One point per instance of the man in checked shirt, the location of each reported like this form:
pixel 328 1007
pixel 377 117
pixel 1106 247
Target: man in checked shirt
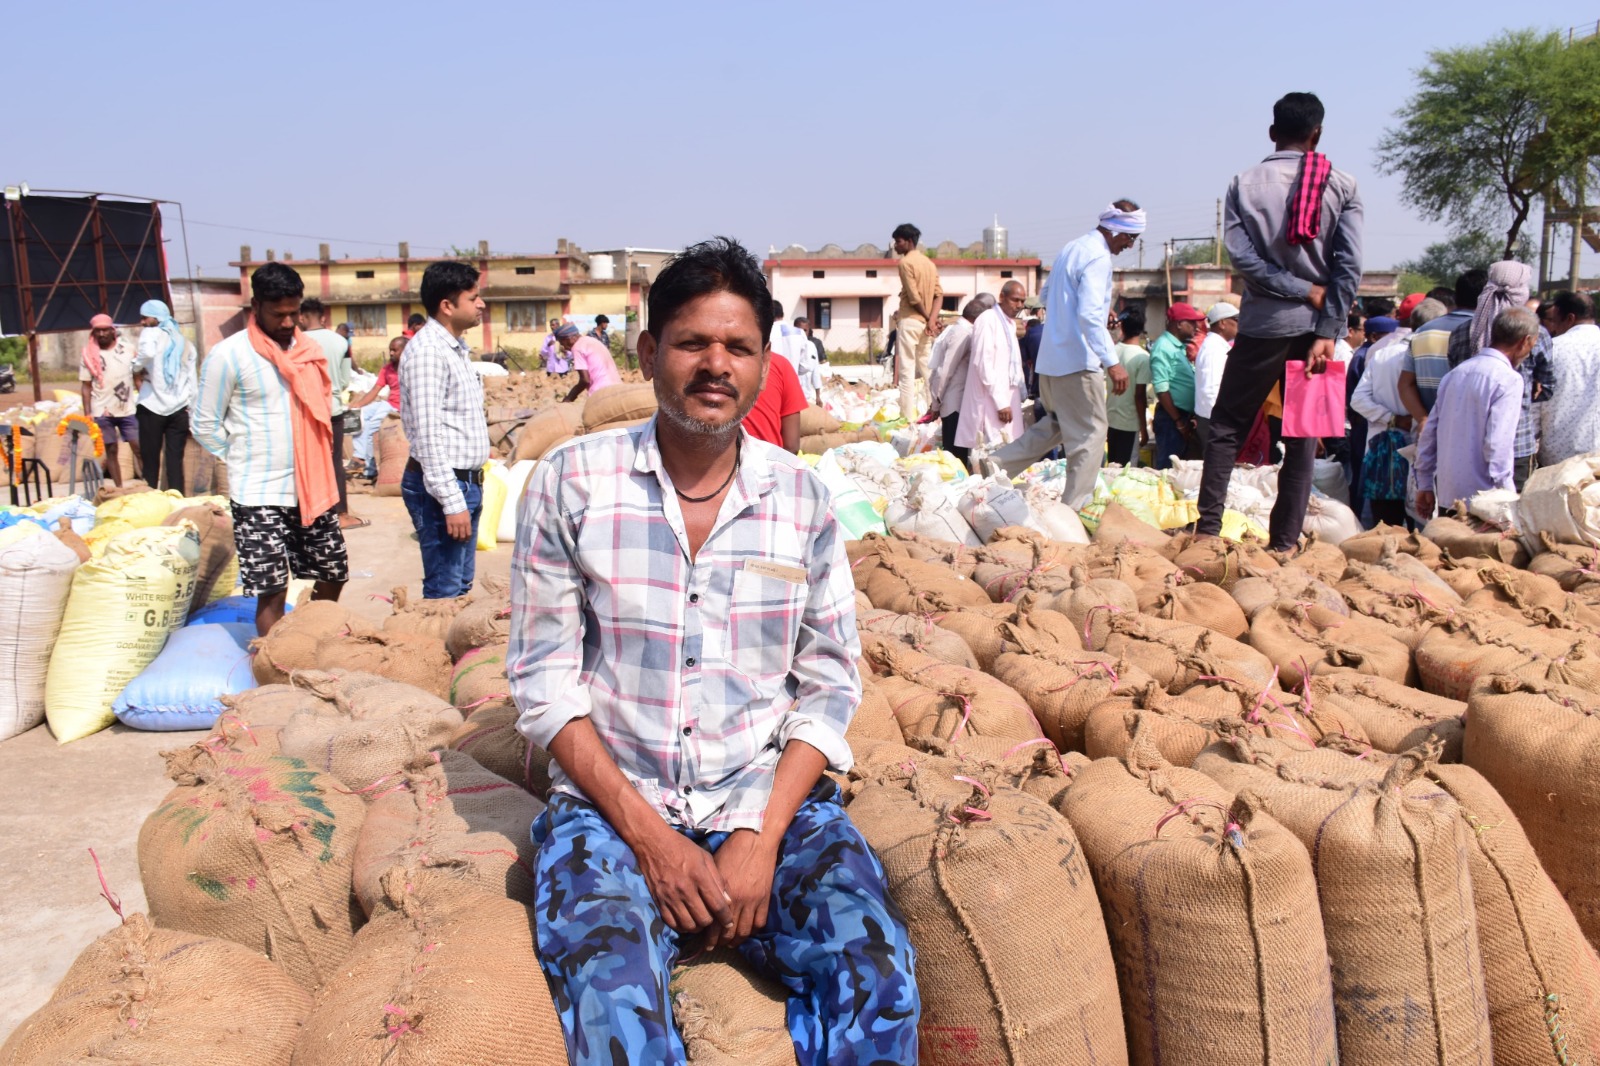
pixel 441 410
pixel 684 645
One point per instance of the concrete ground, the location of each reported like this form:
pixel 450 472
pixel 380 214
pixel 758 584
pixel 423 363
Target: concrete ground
pixel 56 802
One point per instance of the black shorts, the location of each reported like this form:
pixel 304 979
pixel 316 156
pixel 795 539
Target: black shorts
pixel 272 544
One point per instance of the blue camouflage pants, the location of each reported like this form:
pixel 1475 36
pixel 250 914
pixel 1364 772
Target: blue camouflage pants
pixel 833 938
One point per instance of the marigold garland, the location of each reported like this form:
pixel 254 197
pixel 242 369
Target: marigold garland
pixel 16 452
pixel 89 427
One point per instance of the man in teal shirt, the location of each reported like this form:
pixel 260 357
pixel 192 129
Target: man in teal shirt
pixel 1172 377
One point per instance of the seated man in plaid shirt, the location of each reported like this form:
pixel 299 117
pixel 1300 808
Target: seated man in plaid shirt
pixel 684 644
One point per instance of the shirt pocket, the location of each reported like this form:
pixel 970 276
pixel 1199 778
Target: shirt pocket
pixel 763 623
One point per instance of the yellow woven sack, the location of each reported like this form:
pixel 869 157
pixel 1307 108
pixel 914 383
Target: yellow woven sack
pixel 122 608
pixel 948 467
pixel 104 530
pixel 494 500
pixel 140 509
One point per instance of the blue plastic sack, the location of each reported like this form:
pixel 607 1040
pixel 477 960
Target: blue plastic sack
pixel 182 688
pixel 9 518
pixel 75 509
pixel 229 610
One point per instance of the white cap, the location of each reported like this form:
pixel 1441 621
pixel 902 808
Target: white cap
pixel 1220 311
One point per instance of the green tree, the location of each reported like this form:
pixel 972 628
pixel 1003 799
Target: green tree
pixel 1198 253
pixel 1441 263
pixel 1481 138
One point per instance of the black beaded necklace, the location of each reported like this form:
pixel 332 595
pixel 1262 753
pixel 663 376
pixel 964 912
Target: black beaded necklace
pixel 738 457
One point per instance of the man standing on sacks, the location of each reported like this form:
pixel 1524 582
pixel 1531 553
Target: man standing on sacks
pixel 684 645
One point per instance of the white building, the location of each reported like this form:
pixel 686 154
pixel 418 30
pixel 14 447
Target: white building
pixel 851 297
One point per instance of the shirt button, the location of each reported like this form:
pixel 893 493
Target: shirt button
pixel 687 789
pixel 689 662
pixel 694 597
pixel 688 729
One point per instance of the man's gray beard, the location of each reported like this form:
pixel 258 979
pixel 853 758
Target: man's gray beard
pixel 687 423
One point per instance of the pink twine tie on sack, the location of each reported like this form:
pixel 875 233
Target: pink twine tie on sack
pixel 1088 619
pixel 974 782
pixel 105 890
pixel 1181 807
pixel 1089 667
pixel 398 1029
pixel 475 704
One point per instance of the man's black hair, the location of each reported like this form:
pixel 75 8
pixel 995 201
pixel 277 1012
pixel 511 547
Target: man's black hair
pixel 1132 321
pixel 1296 116
pixel 1378 306
pixel 312 306
pixel 1469 287
pixel 721 264
pixel 601 320
pixel 1355 321
pixel 445 280
pixel 416 321
pixel 777 311
pixel 1445 295
pixel 276 281
pixel 1567 303
pixel 798 319
pixel 905 231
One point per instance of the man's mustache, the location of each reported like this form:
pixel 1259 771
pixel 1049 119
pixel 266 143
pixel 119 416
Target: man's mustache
pixel 706 381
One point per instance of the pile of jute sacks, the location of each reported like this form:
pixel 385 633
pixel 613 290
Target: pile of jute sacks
pixel 1146 799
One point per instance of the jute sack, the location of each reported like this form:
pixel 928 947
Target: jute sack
pixel 431 618
pixel 1399 602
pixel 1395 892
pixel 729 1015
pixel 1089 604
pixel 1062 688
pixel 450 820
pixel 1022 559
pixel 1368 547
pixel 1223 562
pixel 393 451
pixel 1413 568
pixel 547 428
pixel 1198 603
pixel 1284 716
pixel 954 702
pixel 958 556
pixel 255 849
pixel 409 658
pixel 906 586
pixel 160 997
pixel 1179 728
pixel 980 628
pixel 962 861
pixel 1572 565
pixel 1471 645
pixel 1319 558
pixel 480 677
pixel 1463 541
pixel 1395 717
pixel 1195 884
pixel 990 632
pixel 479 624
pixel 1119 525
pixel 1538 744
pixel 1286 583
pixel 251 721
pixel 491 737
pixel 620 403
pixel 918 632
pixel 1541 975
pixel 366 729
pixel 815 420
pixel 294 643
pixel 439 975
pixel 1177 654
pixel 1302 640
pixel 1132 564
pixel 218 570
pixel 1535 598
pixel 874 719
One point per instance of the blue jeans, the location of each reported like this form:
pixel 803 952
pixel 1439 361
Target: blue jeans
pixel 448 565
pixel 833 938
pixel 1170 440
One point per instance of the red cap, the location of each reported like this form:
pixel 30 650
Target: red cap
pixel 1182 312
pixel 1408 305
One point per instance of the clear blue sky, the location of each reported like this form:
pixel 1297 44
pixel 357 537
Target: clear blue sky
pixel 653 125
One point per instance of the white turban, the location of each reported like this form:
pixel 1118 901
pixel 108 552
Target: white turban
pixel 1129 222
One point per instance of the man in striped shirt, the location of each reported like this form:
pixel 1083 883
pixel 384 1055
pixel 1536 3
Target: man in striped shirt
pixel 683 643
pixel 258 392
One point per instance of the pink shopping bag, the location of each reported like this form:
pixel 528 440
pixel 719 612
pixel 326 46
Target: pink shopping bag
pixel 1313 406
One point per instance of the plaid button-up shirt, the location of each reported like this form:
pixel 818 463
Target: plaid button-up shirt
pixel 441 410
pixel 695 674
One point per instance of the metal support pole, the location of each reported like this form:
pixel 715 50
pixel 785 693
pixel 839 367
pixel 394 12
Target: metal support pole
pixel 1546 237
pixel 1577 234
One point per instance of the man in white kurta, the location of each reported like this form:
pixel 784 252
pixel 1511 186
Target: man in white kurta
pixel 991 407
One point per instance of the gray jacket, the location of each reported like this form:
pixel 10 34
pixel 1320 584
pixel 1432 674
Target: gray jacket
pixel 1277 274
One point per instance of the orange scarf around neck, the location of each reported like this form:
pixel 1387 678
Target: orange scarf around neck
pixel 305 369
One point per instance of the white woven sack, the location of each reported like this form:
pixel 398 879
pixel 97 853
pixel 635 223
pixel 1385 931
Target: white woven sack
pixel 1563 501
pixel 990 504
pixel 35 579
pixel 516 481
pixel 929 508
pixel 1054 518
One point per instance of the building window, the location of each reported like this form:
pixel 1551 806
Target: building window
pixel 366 275
pixel 368 320
pixel 525 316
pixel 872 312
pixel 950 303
pixel 527 270
pixel 820 311
pixel 1005 273
pixel 872 273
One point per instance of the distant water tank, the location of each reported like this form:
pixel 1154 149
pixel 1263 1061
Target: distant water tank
pixel 602 267
pixel 994 240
